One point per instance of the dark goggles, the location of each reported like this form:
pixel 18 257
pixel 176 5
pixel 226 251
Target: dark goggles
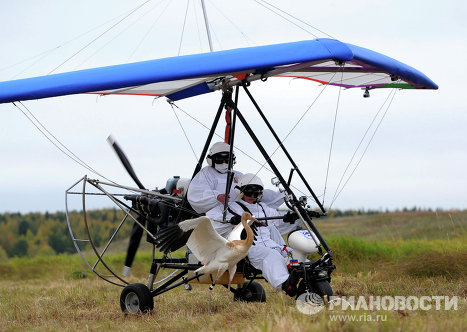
pixel 221 158
pixel 251 191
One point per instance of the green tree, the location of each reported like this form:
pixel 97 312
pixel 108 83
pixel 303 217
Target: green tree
pixel 60 242
pixel 56 243
pixel 46 251
pixel 3 255
pixel 23 227
pixel 20 248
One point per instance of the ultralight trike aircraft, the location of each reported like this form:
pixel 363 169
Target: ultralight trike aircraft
pixel 328 62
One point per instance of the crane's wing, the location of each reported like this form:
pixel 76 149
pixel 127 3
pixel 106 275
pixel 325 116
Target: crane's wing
pixel 176 236
pixel 204 241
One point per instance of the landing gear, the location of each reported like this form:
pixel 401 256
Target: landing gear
pixel 321 288
pixel 250 292
pixel 136 298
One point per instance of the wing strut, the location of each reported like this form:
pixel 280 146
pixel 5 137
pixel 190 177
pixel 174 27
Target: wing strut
pixel 283 148
pixel 230 173
pixel 296 206
pixel 226 96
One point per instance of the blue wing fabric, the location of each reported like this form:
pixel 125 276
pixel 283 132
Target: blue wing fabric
pixel 190 75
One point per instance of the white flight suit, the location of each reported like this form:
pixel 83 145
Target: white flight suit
pixel 209 183
pixel 268 252
pixel 272 198
pixel 204 189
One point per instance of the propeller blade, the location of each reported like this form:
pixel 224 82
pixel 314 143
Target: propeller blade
pixel 126 163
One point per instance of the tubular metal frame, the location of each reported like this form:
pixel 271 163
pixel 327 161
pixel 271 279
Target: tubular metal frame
pixel 169 282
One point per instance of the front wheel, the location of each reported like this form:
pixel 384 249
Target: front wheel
pixel 313 299
pixel 250 292
pixel 322 288
pixel 136 298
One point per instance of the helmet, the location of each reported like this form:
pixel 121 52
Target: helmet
pixel 219 149
pixel 248 180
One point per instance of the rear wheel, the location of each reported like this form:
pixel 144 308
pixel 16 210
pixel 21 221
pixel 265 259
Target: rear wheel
pixel 250 292
pixel 136 298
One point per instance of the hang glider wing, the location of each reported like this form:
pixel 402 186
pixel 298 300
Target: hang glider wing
pixel 326 61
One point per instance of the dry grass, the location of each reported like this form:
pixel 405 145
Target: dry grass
pixel 46 294
pixel 57 301
pixel 91 305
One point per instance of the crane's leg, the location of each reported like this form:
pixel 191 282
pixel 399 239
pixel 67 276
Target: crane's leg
pixel 228 289
pixel 210 296
pixel 232 271
pixel 220 272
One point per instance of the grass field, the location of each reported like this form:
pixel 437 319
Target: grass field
pixel 398 254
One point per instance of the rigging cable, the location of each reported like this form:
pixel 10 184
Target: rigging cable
pixel 288 20
pixel 92 41
pixel 366 148
pixel 150 29
pixel 217 40
pixel 57 142
pixel 183 28
pixel 263 165
pixel 234 25
pixel 332 136
pixel 285 18
pixel 221 137
pixel 293 128
pixel 171 103
pixel 45 53
pixel 303 115
pixel 359 144
pixel 184 132
pixel 197 25
pixel 296 18
pixel 121 32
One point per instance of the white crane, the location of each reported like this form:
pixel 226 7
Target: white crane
pixel 216 253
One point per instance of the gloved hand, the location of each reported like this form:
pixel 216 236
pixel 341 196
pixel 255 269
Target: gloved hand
pixel 260 223
pixel 254 228
pixel 290 217
pixel 235 220
pixel 286 251
pixel 313 214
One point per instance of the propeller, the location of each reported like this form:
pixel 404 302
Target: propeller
pixel 126 163
pixel 137 231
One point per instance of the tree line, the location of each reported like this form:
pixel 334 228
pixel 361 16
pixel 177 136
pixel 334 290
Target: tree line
pixel 33 234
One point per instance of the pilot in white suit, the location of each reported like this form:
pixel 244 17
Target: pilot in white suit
pixel 207 189
pixel 206 192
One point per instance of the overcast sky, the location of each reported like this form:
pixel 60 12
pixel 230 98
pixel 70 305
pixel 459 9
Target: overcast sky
pixel 416 158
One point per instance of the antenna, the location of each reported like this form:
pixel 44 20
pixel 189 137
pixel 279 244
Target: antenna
pixel 207 24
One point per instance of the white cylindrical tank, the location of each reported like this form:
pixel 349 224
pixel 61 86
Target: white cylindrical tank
pixel 302 244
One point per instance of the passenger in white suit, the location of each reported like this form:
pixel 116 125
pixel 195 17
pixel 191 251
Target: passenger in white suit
pixel 269 252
